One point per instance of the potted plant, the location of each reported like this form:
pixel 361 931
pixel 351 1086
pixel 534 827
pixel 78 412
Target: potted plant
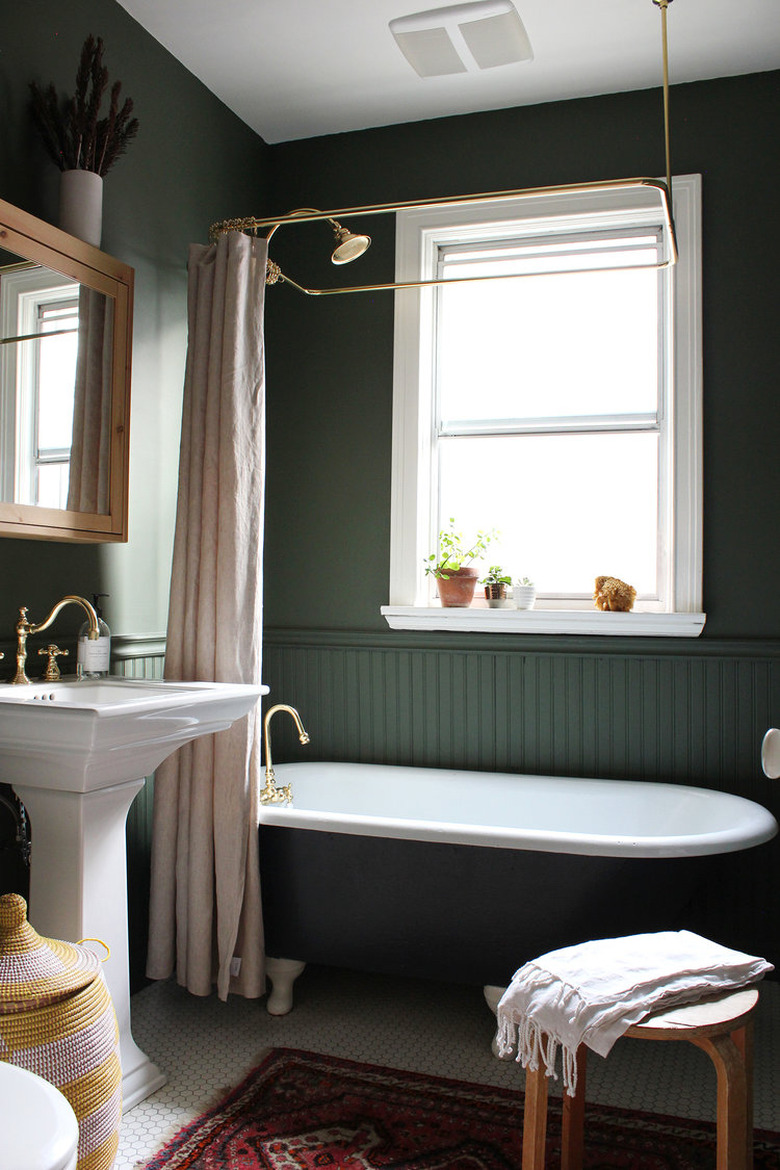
pixel 496 582
pixel 452 565
pixel 524 593
pixel 82 144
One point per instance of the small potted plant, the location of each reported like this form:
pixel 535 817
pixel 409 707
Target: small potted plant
pixel 524 593
pixel 452 565
pixel 496 582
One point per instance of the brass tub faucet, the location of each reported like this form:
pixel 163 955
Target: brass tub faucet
pixel 24 628
pixel 271 794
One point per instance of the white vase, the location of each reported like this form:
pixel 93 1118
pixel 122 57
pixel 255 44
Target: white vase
pixel 81 205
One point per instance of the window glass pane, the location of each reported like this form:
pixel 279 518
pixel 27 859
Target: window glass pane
pixel 57 377
pixel 569 507
pixel 549 346
pixel 53 485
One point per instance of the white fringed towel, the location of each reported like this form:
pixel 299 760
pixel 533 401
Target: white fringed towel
pixel 591 993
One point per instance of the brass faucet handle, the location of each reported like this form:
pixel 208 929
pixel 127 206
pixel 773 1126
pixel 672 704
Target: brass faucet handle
pixel 52 652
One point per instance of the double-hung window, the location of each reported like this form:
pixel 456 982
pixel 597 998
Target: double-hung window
pixel 557 402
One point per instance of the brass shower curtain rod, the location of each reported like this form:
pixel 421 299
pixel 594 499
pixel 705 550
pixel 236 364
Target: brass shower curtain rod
pixel 274 273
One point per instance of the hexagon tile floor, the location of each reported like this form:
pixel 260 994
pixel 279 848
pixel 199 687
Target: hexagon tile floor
pixel 206 1047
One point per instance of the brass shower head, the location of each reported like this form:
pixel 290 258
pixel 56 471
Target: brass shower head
pixel 348 246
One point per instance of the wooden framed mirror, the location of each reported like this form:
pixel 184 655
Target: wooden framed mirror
pixel 66 313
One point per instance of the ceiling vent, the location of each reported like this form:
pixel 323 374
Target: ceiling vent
pixel 482 33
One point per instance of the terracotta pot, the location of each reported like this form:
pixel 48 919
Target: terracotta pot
pixel 457 588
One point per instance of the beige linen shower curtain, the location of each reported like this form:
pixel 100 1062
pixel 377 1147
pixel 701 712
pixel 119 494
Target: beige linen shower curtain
pixel 205 897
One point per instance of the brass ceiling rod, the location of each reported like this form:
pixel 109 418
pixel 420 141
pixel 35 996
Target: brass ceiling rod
pixel 663 5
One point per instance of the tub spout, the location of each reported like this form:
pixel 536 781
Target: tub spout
pixel 271 794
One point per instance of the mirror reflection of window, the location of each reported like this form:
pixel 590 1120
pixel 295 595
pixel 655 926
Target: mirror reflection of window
pixel 53 408
pixel 39 315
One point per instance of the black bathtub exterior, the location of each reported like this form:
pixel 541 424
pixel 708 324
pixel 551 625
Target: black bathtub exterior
pixel 468 914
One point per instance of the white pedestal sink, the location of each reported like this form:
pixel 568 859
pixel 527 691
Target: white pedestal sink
pixel 76 754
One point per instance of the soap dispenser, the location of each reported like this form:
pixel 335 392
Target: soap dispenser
pixel 94 655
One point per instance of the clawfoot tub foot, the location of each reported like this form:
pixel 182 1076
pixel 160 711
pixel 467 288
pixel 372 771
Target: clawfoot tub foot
pixel 492 996
pixel 282 973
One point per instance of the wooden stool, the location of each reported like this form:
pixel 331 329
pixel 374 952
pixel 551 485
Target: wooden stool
pixel 722 1026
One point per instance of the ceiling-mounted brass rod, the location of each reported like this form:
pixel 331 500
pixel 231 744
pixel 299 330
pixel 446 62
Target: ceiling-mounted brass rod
pixel 254 223
pixel 37 336
pixel 663 5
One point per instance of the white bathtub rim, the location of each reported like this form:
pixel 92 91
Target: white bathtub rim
pixel 534 840
pixel 758 827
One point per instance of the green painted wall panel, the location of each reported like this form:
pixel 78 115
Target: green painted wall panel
pixel 647 717
pixel 330 364
pixel 192 163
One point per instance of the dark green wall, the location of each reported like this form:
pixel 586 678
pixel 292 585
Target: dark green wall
pixel 193 162
pixel 330 362
pixel 649 709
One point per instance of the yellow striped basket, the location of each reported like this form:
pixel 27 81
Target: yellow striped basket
pixel 57 1020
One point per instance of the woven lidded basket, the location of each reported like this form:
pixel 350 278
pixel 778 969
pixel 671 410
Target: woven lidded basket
pixel 57 1020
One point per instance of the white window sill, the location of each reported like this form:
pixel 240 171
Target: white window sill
pixel 540 621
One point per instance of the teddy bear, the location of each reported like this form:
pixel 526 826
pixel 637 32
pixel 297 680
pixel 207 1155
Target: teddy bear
pixel 613 594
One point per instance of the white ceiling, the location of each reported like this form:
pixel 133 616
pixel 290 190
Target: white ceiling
pixel 300 68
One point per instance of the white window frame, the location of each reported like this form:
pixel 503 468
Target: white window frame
pixel 419 234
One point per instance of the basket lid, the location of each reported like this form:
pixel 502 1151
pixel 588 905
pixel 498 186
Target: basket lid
pixel 36 971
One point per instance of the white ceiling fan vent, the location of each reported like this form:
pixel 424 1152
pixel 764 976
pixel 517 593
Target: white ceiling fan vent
pixel 481 33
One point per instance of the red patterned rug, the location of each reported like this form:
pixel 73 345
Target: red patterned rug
pixel 302 1111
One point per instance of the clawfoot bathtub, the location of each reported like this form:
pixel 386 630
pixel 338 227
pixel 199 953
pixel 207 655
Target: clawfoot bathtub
pixel 464 876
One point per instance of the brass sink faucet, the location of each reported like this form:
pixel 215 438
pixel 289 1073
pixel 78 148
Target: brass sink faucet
pixel 24 628
pixel 271 794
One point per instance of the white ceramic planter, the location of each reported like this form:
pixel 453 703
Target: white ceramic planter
pixel 524 596
pixel 81 205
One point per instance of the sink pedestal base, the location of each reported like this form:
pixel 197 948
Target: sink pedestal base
pixel 78 890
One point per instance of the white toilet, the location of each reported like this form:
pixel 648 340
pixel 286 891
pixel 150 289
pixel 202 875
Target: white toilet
pixel 39 1129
